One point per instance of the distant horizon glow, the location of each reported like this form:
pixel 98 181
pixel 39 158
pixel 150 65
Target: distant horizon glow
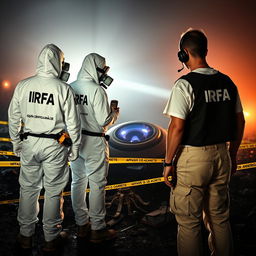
pixel 6 83
pixel 247 114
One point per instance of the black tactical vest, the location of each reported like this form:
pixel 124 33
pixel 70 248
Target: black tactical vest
pixel 213 117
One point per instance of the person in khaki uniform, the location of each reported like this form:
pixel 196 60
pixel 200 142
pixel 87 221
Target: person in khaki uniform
pixel 206 114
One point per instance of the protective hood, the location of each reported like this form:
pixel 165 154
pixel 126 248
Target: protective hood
pixel 49 61
pixel 88 69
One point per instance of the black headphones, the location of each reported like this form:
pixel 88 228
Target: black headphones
pixel 182 55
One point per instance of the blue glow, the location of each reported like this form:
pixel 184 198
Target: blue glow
pixel 135 139
pixel 145 130
pixel 135 133
pixel 123 132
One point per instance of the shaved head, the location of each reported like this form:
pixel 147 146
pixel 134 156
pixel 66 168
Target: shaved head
pixel 195 41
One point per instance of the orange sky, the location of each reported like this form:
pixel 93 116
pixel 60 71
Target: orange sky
pixel 237 65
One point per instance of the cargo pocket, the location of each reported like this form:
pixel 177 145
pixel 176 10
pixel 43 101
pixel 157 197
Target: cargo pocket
pixel 179 201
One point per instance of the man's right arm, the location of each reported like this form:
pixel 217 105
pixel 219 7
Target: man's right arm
pixel 14 117
pixel 234 145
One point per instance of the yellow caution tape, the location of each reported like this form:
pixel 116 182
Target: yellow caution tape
pixel 9 201
pixel 122 160
pixel 245 146
pixel 6 153
pixel 242 146
pixel 246 166
pixel 130 160
pixel 132 183
pixel 135 183
pixel 3 122
pixel 112 160
pixel 12 163
pixel 5 139
pixel 9 163
pixel 108 187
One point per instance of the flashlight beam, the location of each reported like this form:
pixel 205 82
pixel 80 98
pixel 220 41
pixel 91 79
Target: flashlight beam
pixel 144 88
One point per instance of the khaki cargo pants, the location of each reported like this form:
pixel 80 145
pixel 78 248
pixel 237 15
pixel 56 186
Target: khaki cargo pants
pixel 202 193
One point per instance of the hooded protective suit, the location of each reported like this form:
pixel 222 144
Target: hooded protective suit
pixel 92 165
pixel 44 104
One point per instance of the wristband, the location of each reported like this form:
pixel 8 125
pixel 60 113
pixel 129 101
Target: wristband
pixel 168 164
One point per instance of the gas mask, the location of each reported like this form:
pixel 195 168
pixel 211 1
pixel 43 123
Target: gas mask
pixel 104 79
pixel 64 76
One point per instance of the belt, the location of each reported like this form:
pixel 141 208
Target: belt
pixel 208 147
pixel 96 134
pixel 41 135
pixel 62 137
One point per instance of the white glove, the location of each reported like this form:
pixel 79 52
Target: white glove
pixel 17 146
pixel 73 154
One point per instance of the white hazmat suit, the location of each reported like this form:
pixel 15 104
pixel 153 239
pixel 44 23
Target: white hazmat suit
pixel 45 105
pixel 92 165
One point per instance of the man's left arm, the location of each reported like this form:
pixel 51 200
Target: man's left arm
pixel 14 122
pixel 174 138
pixel 73 123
